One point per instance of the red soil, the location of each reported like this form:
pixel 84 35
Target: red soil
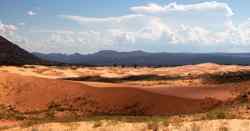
pixel 30 94
pixel 8 123
pixel 219 92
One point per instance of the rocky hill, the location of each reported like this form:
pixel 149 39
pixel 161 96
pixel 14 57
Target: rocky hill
pixel 11 54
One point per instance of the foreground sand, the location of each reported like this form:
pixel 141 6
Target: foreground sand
pixel 212 125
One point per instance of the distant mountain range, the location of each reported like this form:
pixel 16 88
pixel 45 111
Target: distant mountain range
pixel 140 58
pixel 11 54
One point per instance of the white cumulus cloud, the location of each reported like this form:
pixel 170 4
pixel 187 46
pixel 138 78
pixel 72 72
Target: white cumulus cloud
pixel 7 29
pixel 148 24
pixel 31 13
pixel 82 19
pixel 174 7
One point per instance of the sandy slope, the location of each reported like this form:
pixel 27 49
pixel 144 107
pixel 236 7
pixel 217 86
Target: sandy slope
pixel 35 88
pixel 29 94
pixel 222 93
pixel 171 87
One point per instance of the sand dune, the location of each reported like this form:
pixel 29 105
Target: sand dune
pixel 40 92
pixel 31 94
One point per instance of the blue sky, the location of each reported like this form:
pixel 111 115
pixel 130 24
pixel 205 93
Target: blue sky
pixel 86 26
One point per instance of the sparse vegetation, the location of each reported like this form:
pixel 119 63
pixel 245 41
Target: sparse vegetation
pixel 227 77
pixel 223 128
pixel 220 113
pixel 97 124
pixel 216 115
pixel 9 113
pixel 153 126
pixel 124 79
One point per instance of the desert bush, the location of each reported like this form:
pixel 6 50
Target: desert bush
pixel 9 113
pixel 124 79
pixel 153 126
pixel 34 129
pixel 227 77
pixel 97 124
pixel 216 114
pixel 223 128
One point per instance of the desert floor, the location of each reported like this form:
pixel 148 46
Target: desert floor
pixel 32 95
